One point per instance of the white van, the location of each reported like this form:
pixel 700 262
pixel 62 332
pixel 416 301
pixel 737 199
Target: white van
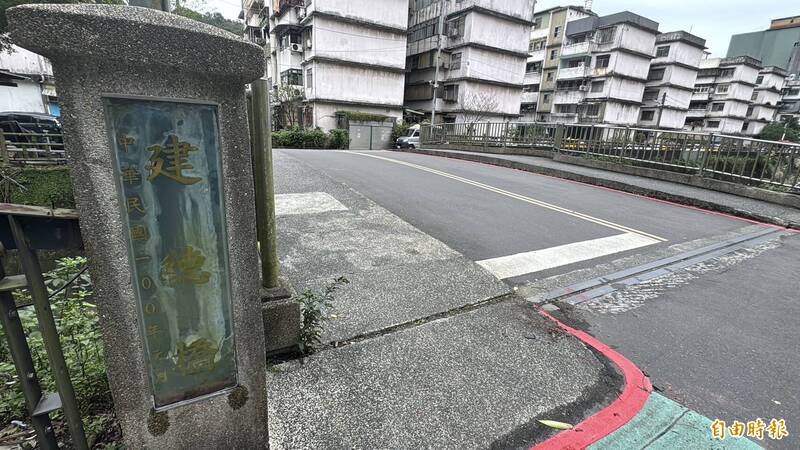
pixel 411 140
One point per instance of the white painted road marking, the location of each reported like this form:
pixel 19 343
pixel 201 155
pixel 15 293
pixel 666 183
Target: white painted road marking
pixel 538 260
pixel 306 203
pixel 523 198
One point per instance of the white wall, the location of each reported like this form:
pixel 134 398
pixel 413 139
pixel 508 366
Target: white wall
pixel 623 88
pixel 334 81
pixel 495 32
pixel 634 38
pixel 489 65
pixel 26 97
pixel 508 99
pixel 325 113
pixel 392 13
pixel 24 62
pixel 621 114
pixel 369 46
pixel 521 9
pixel 627 64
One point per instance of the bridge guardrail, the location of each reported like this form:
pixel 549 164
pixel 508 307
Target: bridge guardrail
pixel 769 164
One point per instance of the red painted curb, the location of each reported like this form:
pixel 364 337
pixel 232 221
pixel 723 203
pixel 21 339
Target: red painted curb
pixel 632 399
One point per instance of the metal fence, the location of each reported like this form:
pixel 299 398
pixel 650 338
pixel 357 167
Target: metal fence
pixel 30 149
pixel 731 158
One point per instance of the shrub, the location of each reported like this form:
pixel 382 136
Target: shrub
pixel 312 138
pixel 339 139
pixel 49 187
pixel 399 129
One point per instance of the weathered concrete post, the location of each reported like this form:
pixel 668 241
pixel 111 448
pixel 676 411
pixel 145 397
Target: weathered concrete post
pixel 155 121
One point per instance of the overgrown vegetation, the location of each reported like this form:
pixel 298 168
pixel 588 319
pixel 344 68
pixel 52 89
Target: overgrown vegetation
pixel 47 186
pixel 297 137
pixel 357 116
pixel 76 318
pixel 316 308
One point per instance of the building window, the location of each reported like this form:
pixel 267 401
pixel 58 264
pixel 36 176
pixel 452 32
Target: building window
pixel 556 31
pixel 546 98
pixel 656 74
pixel 745 126
pixel 749 111
pixel 593 110
pixel 701 89
pixel 533 67
pixel 538 44
pixel 553 54
pixel 650 95
pixel 455 27
pixel 793 93
pixel 760 79
pixel 726 72
pixel 647 116
pixel 597 86
pixel 662 51
pixel 717 107
pixel 722 89
pixel 290 38
pixel 602 61
pixel 754 97
pixel 712 124
pixel 606 35
pixel 537 22
pixel 450 93
pixel 309 78
pixel 292 76
pixel 550 76
pixel 455 61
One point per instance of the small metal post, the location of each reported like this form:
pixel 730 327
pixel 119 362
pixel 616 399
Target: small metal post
pixel 265 188
pixel 707 151
pixel 558 137
pixel 486 135
pixel 505 134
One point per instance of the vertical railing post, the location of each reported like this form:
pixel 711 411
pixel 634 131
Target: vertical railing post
pixel 3 149
pixel 559 136
pixel 704 162
pixel 505 135
pixel 486 135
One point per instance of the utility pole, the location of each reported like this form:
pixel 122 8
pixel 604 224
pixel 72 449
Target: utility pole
pixel 661 109
pixel 437 61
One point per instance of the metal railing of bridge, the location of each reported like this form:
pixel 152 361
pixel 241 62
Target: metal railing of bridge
pixel 769 164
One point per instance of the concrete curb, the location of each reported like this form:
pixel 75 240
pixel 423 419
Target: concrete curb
pixel 607 183
pixel 611 418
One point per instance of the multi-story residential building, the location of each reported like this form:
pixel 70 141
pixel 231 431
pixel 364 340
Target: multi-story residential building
pixel 26 83
pixel 722 95
pixel 544 50
pixel 342 56
pixel 765 100
pixel 670 82
pixel 484 48
pixel 603 68
pixel 790 99
pixel 773 47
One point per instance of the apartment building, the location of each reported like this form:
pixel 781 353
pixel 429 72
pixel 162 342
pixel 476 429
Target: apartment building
pixel 482 65
pixel 602 70
pixel 27 83
pixel 773 47
pixel 765 100
pixel 544 50
pixel 671 79
pixel 722 95
pixel 790 99
pixel 343 56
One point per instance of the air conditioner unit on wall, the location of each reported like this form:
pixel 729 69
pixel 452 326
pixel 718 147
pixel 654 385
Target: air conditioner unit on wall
pixel 583 88
pixel 296 48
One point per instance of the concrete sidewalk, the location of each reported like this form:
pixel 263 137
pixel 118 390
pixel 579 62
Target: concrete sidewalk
pixel 432 351
pixel 680 193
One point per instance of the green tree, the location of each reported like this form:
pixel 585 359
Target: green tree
pixel 5 42
pixel 213 18
pixel 775 131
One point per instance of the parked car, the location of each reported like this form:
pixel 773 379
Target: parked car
pixel 29 122
pixel 411 140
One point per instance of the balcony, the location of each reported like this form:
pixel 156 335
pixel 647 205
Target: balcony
pixel 568 73
pixel 536 55
pixel 579 49
pixel 696 113
pixel 700 96
pixel 532 78
pixel 571 97
pixel 530 97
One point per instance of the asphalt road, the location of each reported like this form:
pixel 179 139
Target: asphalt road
pixel 720 339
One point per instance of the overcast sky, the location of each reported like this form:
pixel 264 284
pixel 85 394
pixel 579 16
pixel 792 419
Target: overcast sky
pixel 713 20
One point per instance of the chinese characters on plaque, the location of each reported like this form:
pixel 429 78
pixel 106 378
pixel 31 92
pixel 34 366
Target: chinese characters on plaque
pixel 169 174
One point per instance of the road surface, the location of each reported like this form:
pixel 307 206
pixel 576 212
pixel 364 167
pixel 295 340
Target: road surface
pixel 717 334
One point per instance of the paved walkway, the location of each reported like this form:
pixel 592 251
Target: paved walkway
pixel 680 193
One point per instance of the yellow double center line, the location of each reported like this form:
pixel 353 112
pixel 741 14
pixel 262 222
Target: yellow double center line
pixel 523 198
